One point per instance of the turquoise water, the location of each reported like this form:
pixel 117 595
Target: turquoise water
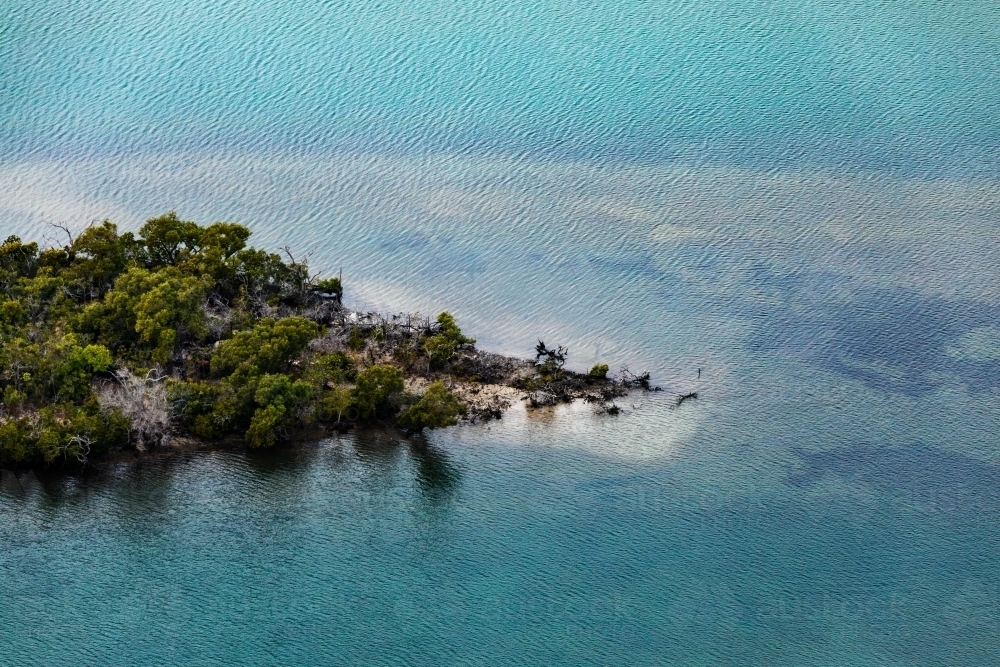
pixel 800 199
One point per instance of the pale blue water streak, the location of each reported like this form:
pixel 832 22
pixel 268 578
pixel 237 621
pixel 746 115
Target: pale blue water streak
pixel 801 199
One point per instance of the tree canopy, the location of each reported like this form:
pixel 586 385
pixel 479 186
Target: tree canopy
pixel 438 407
pixel 224 339
pixel 267 348
pixel 441 346
pixel 177 297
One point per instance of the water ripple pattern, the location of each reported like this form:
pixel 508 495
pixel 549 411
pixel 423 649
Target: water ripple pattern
pixel 788 207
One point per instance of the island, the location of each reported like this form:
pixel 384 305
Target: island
pixel 123 344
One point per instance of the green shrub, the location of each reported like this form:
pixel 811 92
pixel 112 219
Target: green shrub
pixel 62 432
pixel 406 354
pixel 375 389
pixel 439 350
pixel 268 348
pixel 193 404
pixel 599 371
pixel 437 408
pixel 12 398
pixel 326 369
pixel 262 406
pixel 78 365
pixel 358 338
pixel 170 310
pixel 335 404
pixel 330 286
pixel 277 396
pixel 19 364
pixel 99 255
pixel 265 425
pixel 13 315
pixel 152 311
pixel 449 328
pixel 169 239
pixel 17 260
pixel 279 389
pixel 40 293
pixel 61 368
pixel 257 272
pixel 441 347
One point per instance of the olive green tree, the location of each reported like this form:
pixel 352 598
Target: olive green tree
pixel 277 398
pixel 437 408
pixel 169 240
pixel 599 371
pixel 441 347
pixel 269 347
pixel 98 256
pixel 17 260
pixel 375 389
pixel 149 311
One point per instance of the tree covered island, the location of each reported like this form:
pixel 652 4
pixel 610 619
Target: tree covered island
pixel 120 343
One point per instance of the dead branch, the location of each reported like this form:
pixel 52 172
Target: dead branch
pixel 143 400
pixel 684 397
pixel 65 229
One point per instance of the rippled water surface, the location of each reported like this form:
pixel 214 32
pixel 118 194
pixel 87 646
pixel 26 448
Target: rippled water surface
pixel 802 199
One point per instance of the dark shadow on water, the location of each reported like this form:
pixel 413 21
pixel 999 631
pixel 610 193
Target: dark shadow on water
pixel 286 458
pixel 929 476
pixel 437 476
pixel 146 484
pixel 891 339
pixel 377 445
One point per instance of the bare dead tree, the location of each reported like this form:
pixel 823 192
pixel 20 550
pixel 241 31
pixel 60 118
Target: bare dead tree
pixel 633 380
pixel 143 401
pixel 291 258
pixel 300 269
pixel 65 229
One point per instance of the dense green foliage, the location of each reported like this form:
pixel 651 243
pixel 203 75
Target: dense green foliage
pixel 442 346
pixel 253 395
pixel 599 371
pixel 267 348
pixel 375 388
pixel 63 432
pixel 149 312
pixel 437 408
pixel 221 330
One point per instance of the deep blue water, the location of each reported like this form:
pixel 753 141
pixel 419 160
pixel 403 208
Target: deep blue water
pixel 801 199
